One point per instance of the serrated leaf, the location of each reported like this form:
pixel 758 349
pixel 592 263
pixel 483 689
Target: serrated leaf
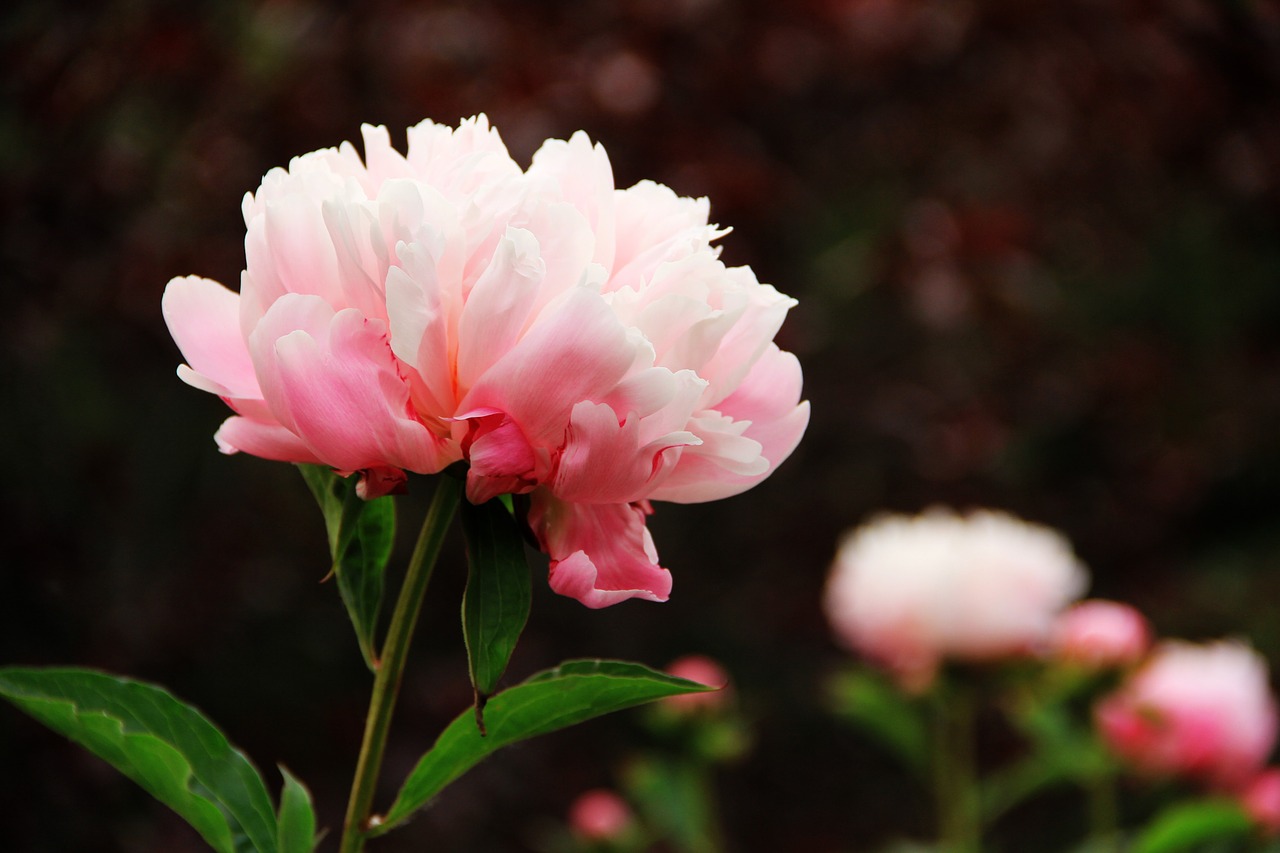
pixel 1186 826
pixel 296 822
pixel 361 536
pixel 883 711
pixel 495 605
pixel 574 692
pixel 164 745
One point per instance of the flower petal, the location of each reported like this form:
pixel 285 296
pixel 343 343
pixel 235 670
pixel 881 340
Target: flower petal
pixel 204 318
pixel 601 554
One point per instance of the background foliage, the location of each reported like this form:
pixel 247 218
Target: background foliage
pixel 1038 258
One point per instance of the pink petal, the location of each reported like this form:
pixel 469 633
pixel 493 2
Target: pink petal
pixel 337 386
pixel 498 305
pixel 266 440
pixel 604 461
pixel 600 553
pixel 576 351
pixel 203 317
pixel 768 402
pixel 502 462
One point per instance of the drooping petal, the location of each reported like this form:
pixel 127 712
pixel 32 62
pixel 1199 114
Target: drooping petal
pixel 203 317
pixel 601 554
pixel 264 439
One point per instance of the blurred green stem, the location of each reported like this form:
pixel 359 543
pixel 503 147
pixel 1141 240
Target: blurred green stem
pixel 955 781
pixel 1102 812
pixel 386 684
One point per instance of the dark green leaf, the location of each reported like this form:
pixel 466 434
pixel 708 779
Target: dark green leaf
pixel 165 746
pixel 495 605
pixel 1187 826
pixel 297 819
pixel 361 536
pixel 883 711
pixel 571 693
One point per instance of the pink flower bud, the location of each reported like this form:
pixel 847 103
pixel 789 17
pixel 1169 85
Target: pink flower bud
pixel 703 670
pixel 1099 634
pixel 1200 711
pixel 599 815
pixel 910 592
pixel 1261 799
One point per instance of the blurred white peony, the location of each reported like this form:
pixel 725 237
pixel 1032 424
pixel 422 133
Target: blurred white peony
pixel 910 592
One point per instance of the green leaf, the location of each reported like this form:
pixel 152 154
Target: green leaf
pixel 496 603
pixel 167 747
pixel 674 796
pixel 297 818
pixel 1188 825
pixel 361 536
pixel 883 711
pixel 571 693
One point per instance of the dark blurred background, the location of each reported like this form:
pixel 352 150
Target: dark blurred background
pixel 1037 253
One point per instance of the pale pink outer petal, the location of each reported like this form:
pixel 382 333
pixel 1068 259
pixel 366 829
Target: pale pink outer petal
pixel 334 382
pixel 577 350
pixel 601 554
pixel 203 318
pixel 768 401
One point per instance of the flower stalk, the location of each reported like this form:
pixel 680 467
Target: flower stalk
pixel 390 666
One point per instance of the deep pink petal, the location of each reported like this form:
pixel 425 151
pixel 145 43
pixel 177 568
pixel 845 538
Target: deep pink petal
pixel 600 553
pixel 605 461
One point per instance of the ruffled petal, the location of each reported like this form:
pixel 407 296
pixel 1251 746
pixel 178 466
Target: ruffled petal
pixel 761 422
pixel 601 554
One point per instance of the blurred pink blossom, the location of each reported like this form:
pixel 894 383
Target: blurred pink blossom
pixel 703 670
pixel 1261 799
pixel 1098 634
pixel 570 340
pixel 599 815
pixel 909 592
pixel 1203 711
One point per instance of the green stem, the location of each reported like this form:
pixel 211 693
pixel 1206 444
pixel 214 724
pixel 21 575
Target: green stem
pixel 1102 811
pixel 955 781
pixel 395 649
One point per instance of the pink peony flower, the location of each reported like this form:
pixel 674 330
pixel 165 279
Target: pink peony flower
pixel 599 815
pixel 1099 634
pixel 1203 711
pixel 1261 800
pixel 911 592
pixel 703 670
pixel 567 339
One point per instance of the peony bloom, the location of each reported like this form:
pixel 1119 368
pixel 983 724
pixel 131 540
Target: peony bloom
pixel 703 670
pixel 1098 634
pixel 567 339
pixel 1203 711
pixel 599 815
pixel 911 592
pixel 1261 800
